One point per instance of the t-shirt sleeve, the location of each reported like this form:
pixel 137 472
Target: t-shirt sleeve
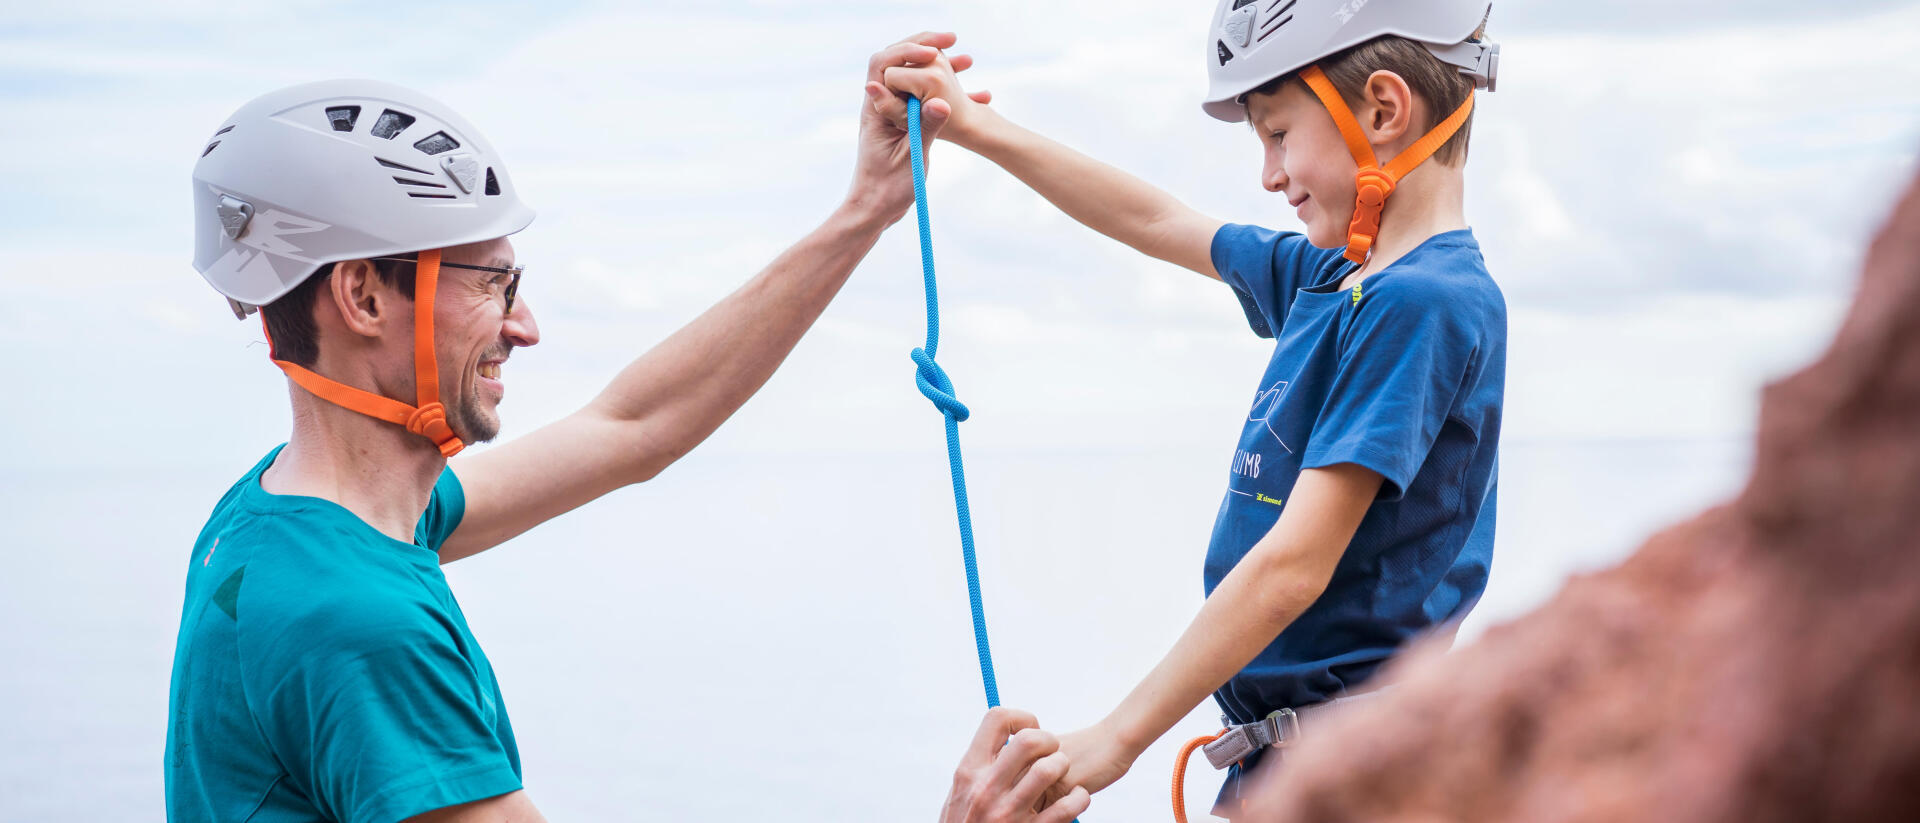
pixel 1265 268
pixel 378 723
pixel 444 511
pixel 1404 359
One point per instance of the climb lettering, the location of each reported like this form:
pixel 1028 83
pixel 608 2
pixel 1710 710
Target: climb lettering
pixel 1246 463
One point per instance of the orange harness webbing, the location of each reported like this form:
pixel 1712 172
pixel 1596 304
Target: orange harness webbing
pixel 1180 773
pixel 429 419
pixel 1376 182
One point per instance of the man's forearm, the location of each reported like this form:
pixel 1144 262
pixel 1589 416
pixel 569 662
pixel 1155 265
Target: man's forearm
pixel 1105 199
pixel 682 390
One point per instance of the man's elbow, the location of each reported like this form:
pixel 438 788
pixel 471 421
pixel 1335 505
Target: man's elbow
pixel 648 453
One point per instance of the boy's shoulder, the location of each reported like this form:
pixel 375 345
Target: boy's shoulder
pixel 1445 271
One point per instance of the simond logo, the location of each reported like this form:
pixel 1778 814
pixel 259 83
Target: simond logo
pixel 1348 9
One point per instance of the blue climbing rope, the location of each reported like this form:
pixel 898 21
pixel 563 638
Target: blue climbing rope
pixel 933 383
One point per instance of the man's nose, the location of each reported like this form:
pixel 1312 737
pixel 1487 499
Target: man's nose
pixel 521 328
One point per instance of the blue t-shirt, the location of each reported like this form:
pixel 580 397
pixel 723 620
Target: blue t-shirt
pixel 1402 375
pixel 324 672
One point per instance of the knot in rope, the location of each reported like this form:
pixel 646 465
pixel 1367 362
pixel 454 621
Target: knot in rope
pixel 934 383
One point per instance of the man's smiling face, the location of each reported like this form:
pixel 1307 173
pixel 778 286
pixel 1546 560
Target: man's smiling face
pixel 474 334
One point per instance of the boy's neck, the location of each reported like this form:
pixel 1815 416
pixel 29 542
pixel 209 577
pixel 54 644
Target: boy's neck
pixel 1430 200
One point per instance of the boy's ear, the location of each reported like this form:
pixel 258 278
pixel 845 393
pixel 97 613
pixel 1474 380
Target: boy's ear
pixel 1389 113
pixel 364 301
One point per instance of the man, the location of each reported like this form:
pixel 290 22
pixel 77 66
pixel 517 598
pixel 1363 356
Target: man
pixel 323 669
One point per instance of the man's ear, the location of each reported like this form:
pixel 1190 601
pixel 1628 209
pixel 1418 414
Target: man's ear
pixel 1389 103
pixel 366 303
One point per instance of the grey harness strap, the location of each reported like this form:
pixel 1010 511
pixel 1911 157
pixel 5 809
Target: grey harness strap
pixel 1279 729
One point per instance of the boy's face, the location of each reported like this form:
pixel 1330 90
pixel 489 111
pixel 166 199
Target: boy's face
pixel 1306 160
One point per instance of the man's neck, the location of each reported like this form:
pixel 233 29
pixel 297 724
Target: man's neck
pixel 1430 200
pixel 379 471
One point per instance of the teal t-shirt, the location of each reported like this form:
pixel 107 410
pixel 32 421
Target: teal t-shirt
pixel 324 671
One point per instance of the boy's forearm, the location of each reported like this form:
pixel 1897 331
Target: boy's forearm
pixel 1248 609
pixel 1105 199
pixel 1277 580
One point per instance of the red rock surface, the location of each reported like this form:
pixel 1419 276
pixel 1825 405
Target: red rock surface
pixel 1758 663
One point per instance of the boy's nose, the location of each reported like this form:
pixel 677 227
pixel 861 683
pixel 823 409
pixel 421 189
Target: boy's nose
pixel 1273 176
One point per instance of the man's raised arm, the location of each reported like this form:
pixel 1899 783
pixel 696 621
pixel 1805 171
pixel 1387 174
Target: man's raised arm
pixel 663 404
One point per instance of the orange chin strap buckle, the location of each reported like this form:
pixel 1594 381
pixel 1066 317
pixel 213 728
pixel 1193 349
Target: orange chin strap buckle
pixel 1373 181
pixel 429 419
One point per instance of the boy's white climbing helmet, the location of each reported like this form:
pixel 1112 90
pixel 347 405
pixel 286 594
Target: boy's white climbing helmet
pixel 1254 41
pixel 340 170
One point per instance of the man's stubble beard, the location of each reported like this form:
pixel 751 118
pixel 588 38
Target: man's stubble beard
pixel 471 421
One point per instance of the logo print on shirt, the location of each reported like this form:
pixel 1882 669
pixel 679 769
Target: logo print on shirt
pixel 1264 406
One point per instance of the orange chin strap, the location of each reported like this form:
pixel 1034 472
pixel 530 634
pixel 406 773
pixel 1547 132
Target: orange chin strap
pixel 429 419
pixel 1374 181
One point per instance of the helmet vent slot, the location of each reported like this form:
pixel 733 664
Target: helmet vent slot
pixel 223 131
pixel 391 124
pixel 436 143
pixel 1240 4
pixel 1276 27
pixel 343 117
pixel 493 184
pixel 1276 16
pixel 1221 46
pixel 402 166
pixel 405 182
pixel 430 194
pixel 209 149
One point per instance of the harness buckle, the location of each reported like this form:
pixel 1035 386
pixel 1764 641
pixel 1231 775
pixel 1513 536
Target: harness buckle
pixel 1280 729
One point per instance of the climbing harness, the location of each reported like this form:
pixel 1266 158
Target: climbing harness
pixel 1373 181
pixel 1238 741
pixel 933 383
pixel 1231 745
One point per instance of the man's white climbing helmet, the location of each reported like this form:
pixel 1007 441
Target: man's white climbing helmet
pixel 1254 41
pixel 340 170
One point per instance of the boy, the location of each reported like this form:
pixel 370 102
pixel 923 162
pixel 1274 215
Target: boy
pixel 1359 509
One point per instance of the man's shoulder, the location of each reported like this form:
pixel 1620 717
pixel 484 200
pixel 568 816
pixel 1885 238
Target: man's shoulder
pixel 309 582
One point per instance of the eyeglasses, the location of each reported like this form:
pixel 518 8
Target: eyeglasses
pixel 513 274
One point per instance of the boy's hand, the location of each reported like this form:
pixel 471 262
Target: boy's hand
pixel 882 188
pixel 936 84
pixel 1006 769
pixel 1097 758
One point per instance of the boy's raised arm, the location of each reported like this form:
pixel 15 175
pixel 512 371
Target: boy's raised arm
pixel 1105 199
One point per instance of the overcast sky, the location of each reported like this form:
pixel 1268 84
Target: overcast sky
pixel 1673 201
